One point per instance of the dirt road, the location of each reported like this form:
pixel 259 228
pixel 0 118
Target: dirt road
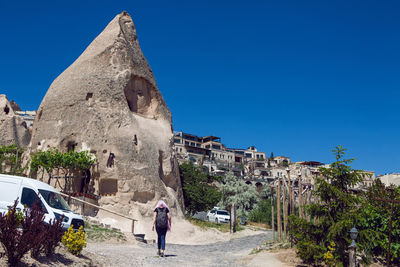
pixel 227 253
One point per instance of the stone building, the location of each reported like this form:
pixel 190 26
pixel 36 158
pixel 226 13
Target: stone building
pixel 209 151
pixel 390 179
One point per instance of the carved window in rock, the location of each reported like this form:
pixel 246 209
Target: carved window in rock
pixel 108 186
pixel 141 96
pixel 89 96
pixel 110 160
pixel 6 109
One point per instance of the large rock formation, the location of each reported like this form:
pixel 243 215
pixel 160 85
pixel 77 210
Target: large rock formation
pixel 107 102
pixel 13 128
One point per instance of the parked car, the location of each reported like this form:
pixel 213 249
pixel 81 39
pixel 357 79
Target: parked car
pixel 28 191
pixel 218 216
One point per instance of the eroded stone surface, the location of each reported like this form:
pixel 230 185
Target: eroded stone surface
pixel 13 128
pixel 107 102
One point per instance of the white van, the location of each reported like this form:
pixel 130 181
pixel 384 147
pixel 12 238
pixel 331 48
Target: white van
pixel 29 190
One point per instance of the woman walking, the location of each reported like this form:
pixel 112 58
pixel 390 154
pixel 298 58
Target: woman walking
pixel 162 223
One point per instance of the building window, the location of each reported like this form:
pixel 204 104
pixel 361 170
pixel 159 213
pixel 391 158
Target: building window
pixel 177 141
pixel 216 147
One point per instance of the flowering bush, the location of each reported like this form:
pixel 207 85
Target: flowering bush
pixel 74 241
pixel 328 256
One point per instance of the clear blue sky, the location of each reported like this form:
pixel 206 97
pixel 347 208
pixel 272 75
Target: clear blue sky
pixel 293 77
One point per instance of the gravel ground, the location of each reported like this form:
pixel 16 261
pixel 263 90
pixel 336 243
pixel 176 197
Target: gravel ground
pixel 226 253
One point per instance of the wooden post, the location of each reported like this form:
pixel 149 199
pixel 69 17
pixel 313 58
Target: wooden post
pixel 272 211
pixel 278 203
pixel 309 200
pixel 291 205
pixel 16 162
pixel 285 205
pixel 300 197
pixel 83 204
pixel 352 256
pixel 233 218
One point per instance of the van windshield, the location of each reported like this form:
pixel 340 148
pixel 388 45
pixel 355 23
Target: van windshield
pixel 54 200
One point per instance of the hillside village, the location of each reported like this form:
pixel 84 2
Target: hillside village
pixel 253 166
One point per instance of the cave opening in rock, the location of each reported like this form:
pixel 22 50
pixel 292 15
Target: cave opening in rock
pixel 71 145
pixel 139 95
pixel 110 160
pixel 89 96
pixel 6 109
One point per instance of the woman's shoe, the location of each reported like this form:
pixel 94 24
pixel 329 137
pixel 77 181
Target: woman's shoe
pixel 162 254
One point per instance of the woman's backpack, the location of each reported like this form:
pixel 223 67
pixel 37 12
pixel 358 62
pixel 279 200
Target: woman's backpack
pixel 162 218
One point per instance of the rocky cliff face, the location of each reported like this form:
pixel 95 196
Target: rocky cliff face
pixel 107 102
pixel 13 128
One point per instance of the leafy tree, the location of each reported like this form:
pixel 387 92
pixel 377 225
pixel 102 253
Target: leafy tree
pixel 52 159
pixel 198 191
pixel 373 222
pixel 262 213
pixel 332 216
pixel 11 156
pixel 237 191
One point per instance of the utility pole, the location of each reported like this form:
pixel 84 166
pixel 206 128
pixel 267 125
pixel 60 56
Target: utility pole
pixel 279 220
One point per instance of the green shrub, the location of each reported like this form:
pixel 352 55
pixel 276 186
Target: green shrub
pixel 262 213
pixel 310 252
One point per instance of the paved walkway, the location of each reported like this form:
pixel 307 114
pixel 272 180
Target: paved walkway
pixel 215 254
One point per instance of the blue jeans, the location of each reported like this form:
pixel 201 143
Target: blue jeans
pixel 161 233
